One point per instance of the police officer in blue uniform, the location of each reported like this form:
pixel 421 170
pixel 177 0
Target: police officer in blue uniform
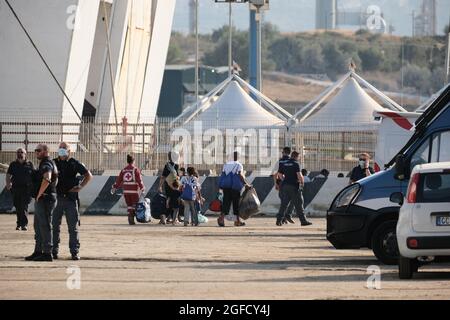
pixel 44 192
pixel 290 189
pixel 277 181
pixel 70 170
pixel 19 182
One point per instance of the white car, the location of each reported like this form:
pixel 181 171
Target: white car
pixel 423 228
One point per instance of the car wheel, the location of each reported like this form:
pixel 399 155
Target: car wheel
pixel 384 243
pixel 407 267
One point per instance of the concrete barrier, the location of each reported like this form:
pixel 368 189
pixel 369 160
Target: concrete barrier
pixel 96 199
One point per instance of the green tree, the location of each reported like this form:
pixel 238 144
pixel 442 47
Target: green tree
pixel 418 78
pixel 335 61
pixel 175 54
pixel 286 53
pixel 371 58
pixel 219 55
pixel 313 60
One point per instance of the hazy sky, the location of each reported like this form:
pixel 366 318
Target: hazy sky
pixel 299 15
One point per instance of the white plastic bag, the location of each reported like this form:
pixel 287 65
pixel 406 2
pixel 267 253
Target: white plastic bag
pixel 143 213
pixel 202 218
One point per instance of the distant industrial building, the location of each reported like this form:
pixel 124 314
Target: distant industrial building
pixel 326 14
pixel 329 17
pixel 178 87
pixel 425 23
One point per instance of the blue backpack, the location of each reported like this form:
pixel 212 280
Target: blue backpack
pixel 188 191
pixel 230 181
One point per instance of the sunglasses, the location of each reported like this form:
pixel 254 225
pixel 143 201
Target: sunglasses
pixel 37 150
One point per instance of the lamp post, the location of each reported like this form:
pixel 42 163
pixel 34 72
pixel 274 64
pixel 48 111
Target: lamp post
pixel 230 38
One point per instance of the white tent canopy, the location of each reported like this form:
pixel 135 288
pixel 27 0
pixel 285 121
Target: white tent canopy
pixel 351 109
pixel 234 108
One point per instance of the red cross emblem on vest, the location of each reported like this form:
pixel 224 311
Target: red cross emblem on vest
pixel 128 177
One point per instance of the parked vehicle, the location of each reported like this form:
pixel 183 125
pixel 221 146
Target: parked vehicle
pixel 361 215
pixel 395 130
pixel 423 228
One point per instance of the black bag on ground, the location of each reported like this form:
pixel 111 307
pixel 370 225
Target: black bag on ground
pixel 249 204
pixel 158 205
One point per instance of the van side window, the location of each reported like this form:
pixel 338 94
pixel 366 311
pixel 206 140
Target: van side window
pixel 421 156
pixel 440 152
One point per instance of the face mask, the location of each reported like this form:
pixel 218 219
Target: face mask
pixel 362 164
pixel 63 152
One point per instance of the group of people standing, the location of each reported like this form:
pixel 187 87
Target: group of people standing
pixel 183 191
pixel 54 185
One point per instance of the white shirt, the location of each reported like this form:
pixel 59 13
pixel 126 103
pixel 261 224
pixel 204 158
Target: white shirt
pixel 232 166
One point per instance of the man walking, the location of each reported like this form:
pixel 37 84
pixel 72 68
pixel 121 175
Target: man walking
pixel 290 190
pixel 67 194
pixel 277 182
pixel 19 182
pixel 44 191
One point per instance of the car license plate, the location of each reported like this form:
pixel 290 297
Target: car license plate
pixel 442 221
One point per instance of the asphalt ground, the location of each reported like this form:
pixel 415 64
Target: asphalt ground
pixel 151 261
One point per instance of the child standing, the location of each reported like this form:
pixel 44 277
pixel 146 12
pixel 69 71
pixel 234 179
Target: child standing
pixel 173 203
pixel 189 195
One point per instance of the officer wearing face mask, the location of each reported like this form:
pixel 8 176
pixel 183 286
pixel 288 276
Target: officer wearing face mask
pixel 363 169
pixel 19 182
pixel 70 170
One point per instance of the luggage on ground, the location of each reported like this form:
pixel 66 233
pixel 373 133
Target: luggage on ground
pixel 216 204
pixel 202 218
pixel 158 205
pixel 249 204
pixel 143 214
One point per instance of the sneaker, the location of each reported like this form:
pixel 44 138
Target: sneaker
pixel 284 221
pixel 33 256
pixel 186 223
pixel 55 256
pixel 162 219
pixel 221 221
pixel 131 220
pixel 18 228
pixel 239 224
pixel 24 228
pixel 289 219
pixel 279 223
pixel 44 257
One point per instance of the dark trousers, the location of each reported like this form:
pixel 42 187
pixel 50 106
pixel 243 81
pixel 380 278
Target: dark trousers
pixel 21 201
pixel 290 207
pixel 43 210
pixel 290 193
pixel 68 207
pixel 230 197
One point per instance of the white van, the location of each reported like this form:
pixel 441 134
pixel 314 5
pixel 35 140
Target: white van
pixel 423 228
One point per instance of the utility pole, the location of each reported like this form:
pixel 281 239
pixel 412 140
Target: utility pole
pixel 447 60
pixel 230 35
pixel 256 8
pixel 230 41
pixel 196 53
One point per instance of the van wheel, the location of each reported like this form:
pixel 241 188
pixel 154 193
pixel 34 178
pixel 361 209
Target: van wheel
pixel 384 243
pixel 407 267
